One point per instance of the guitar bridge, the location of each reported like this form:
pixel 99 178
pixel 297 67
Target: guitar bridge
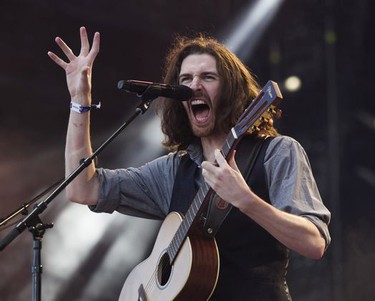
pixel 141 293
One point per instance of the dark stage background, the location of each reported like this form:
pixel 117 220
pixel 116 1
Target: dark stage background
pixel 86 256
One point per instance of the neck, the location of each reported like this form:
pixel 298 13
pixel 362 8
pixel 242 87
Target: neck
pixel 210 144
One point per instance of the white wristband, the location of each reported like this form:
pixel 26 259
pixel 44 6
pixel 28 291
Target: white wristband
pixel 76 107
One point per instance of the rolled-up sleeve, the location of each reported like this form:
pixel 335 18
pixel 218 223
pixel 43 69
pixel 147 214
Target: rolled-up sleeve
pixel 142 192
pixel 292 186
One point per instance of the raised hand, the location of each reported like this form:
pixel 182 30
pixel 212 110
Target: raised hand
pixel 78 69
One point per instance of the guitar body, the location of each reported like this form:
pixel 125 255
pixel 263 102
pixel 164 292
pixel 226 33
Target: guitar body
pixel 192 275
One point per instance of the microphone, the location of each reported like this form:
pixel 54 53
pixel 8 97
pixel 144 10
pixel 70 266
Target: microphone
pixel 178 92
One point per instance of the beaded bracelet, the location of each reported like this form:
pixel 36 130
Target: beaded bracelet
pixel 76 107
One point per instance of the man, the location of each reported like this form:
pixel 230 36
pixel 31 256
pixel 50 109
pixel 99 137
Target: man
pixel 276 209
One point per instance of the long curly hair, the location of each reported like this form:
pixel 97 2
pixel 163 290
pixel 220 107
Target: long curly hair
pixel 239 87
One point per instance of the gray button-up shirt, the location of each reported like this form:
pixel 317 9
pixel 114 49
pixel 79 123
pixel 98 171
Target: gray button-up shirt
pixel 146 191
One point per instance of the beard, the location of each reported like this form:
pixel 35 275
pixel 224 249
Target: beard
pixel 210 129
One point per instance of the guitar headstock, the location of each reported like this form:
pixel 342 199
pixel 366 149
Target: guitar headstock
pixel 262 109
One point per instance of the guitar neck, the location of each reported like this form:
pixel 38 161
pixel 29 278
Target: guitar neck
pixel 198 205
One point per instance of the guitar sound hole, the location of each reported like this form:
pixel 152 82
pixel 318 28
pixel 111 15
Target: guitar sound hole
pixel 164 270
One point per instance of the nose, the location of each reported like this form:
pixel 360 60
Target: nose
pixel 196 83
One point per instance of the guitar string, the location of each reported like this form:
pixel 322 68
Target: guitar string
pixel 151 287
pixel 157 276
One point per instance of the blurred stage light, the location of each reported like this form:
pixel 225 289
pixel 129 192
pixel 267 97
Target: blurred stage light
pixel 292 83
pixel 250 26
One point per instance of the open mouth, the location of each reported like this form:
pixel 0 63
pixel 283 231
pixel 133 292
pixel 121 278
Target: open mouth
pixel 200 109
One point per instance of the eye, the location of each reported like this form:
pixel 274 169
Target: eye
pixel 209 77
pixel 184 80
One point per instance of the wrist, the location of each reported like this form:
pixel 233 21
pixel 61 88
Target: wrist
pixel 78 108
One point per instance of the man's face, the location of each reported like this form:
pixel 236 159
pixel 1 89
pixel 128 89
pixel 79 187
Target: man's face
pixel 199 72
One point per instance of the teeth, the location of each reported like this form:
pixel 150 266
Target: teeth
pixel 197 102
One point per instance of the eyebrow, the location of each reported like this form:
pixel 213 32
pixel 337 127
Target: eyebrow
pixel 203 73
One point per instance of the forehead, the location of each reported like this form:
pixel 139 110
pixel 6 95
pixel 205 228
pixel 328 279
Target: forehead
pixel 198 63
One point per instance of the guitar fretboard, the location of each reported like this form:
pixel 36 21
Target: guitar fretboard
pixel 194 210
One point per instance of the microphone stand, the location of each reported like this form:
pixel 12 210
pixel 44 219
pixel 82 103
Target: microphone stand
pixel 37 228
pixel 24 208
pixel 33 221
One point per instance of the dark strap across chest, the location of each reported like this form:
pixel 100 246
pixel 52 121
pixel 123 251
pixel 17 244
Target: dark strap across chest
pixel 185 186
pixel 246 156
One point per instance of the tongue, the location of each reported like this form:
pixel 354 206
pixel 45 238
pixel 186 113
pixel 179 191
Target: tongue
pixel 202 114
